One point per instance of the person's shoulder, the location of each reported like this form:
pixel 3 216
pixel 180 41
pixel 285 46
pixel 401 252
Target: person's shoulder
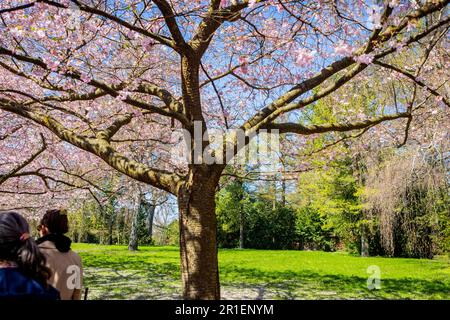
pixel 12 275
pixel 75 255
pixel 14 284
pixel 47 245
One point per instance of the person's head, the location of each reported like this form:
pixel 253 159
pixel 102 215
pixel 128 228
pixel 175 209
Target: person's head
pixel 54 221
pixel 16 245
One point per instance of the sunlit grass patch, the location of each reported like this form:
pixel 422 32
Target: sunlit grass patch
pixel 113 272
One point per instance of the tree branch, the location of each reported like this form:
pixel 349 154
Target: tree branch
pixel 270 112
pixel 109 132
pixel 111 90
pixel 15 170
pixel 171 22
pixel 159 38
pixel 164 95
pixel 413 78
pixel 290 127
pixel 213 20
pixel 161 179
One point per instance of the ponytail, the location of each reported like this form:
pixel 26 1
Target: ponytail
pixel 17 246
pixel 31 261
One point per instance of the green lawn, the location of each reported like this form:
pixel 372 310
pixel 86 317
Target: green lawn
pixel 112 272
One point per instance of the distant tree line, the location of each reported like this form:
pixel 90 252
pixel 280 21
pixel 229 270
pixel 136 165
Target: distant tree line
pixel 394 204
pixel 115 221
pixel 391 203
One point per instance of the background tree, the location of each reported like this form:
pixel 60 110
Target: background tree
pixel 408 195
pixel 231 215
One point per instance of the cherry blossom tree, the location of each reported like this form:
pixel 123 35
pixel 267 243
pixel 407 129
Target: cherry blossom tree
pixel 107 83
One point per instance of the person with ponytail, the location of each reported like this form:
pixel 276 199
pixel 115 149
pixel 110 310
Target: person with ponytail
pixel 23 271
pixel 65 264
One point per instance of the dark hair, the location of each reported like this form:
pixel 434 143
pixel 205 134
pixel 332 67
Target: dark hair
pixel 17 246
pixel 56 221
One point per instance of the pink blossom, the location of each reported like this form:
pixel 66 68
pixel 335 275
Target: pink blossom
pixel 410 27
pixel 276 4
pixel 343 49
pixel 85 77
pixel 419 79
pixel 375 17
pixel 305 57
pixel 364 58
pixel 394 3
pixel 51 64
pixel 40 6
pixel 396 21
pixel 251 3
pixel 399 46
pixel 123 95
pixel 439 99
pixel 38 72
pixel 90 26
pixel 130 34
pixel 147 43
pixel 17 31
pixel 40 33
pixel 244 64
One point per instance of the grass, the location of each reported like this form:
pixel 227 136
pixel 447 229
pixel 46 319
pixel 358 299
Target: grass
pixel 112 272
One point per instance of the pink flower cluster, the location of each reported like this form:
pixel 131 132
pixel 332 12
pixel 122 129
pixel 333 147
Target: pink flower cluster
pixel 51 63
pixel 375 17
pixel 364 58
pixel 305 57
pixel 85 77
pixel 244 64
pixel 343 49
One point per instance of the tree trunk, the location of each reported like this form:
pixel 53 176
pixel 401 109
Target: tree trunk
pixel 133 243
pixel 196 199
pixel 364 242
pixel 241 216
pixel 241 229
pixel 274 201
pixel 110 231
pixel 283 192
pixel 198 227
pixel 82 234
pixel 150 217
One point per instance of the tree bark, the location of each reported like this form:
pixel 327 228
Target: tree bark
pixel 110 230
pixel 196 200
pixel 364 242
pixel 198 228
pixel 133 242
pixel 150 217
pixel 241 228
pixel 274 201
pixel 241 216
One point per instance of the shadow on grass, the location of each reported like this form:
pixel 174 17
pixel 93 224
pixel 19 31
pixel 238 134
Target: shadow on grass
pixel 310 285
pixel 137 275
pixel 133 275
pixel 130 261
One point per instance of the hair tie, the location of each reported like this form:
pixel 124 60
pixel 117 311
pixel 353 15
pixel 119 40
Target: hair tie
pixel 25 236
